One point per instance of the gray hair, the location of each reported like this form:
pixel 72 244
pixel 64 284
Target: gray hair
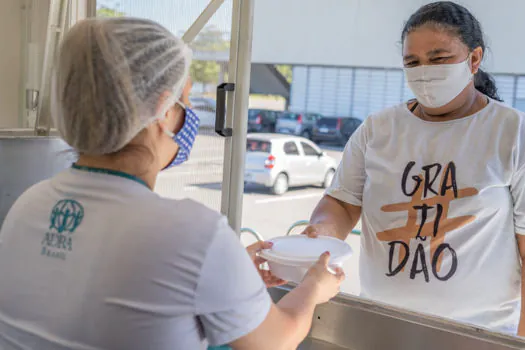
pixel 108 80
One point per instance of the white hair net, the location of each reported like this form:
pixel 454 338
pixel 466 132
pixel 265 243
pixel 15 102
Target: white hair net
pixel 109 78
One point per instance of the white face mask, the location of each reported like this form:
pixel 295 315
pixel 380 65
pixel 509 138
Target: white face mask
pixel 437 85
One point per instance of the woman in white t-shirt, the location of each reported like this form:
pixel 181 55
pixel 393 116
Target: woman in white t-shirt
pixel 438 183
pixel 94 259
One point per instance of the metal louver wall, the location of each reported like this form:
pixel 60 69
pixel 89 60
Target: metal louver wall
pixel 359 92
pixel 519 93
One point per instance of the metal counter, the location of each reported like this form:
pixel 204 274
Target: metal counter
pixel 349 322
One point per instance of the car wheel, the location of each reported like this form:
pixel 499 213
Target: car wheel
pixel 328 178
pixel 280 186
pixel 306 134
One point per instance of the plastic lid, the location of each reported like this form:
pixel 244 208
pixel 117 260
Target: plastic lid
pixel 302 249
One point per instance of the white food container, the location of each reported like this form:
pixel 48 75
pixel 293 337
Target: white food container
pixel 292 256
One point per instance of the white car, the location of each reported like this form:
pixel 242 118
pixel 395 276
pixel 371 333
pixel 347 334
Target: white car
pixel 282 161
pixel 205 109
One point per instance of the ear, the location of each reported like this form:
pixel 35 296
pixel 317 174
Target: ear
pixel 476 58
pixel 185 98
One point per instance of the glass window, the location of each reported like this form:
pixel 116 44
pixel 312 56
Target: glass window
pixel 311 117
pixel 202 106
pixel 328 122
pixel 290 148
pixel 254 113
pixel 258 146
pixel 309 150
pixel 208 104
pixel 200 178
pixel 290 116
pixel 348 81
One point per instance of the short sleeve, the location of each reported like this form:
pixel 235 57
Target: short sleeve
pixel 517 186
pixel 350 177
pixel 231 298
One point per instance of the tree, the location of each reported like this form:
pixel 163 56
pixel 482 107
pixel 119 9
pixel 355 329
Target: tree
pixel 205 72
pixel 104 11
pixel 286 71
pixel 210 39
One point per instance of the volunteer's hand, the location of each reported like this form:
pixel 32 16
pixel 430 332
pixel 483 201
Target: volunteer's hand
pixel 314 231
pixel 323 283
pixel 269 279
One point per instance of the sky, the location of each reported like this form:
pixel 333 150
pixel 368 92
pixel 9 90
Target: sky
pixel 176 15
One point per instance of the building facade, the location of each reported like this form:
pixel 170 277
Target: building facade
pixel 359 92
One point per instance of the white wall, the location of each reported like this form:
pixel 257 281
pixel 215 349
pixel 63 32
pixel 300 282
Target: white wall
pixel 366 33
pixel 10 60
pixel 14 55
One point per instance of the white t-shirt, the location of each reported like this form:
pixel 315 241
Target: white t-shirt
pixel 441 204
pixel 97 261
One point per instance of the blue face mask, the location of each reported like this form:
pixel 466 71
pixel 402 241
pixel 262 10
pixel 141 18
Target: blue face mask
pixel 185 138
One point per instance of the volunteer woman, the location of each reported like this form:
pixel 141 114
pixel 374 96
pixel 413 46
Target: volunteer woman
pixel 438 183
pixel 94 259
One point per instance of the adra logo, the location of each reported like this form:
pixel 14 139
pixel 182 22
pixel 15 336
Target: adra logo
pixel 65 218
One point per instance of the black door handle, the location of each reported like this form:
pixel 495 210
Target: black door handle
pixel 220 116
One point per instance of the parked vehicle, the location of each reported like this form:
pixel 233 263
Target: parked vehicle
pixel 335 129
pixel 262 120
pixel 205 108
pixel 279 162
pixel 300 124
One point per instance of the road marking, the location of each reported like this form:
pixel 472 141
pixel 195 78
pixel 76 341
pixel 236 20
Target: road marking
pixel 289 198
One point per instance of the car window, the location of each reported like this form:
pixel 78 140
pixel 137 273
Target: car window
pixel 328 122
pixel 202 104
pixel 258 146
pixel 309 150
pixel 290 116
pixel 290 148
pixel 314 117
pixel 253 114
pixel 200 107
